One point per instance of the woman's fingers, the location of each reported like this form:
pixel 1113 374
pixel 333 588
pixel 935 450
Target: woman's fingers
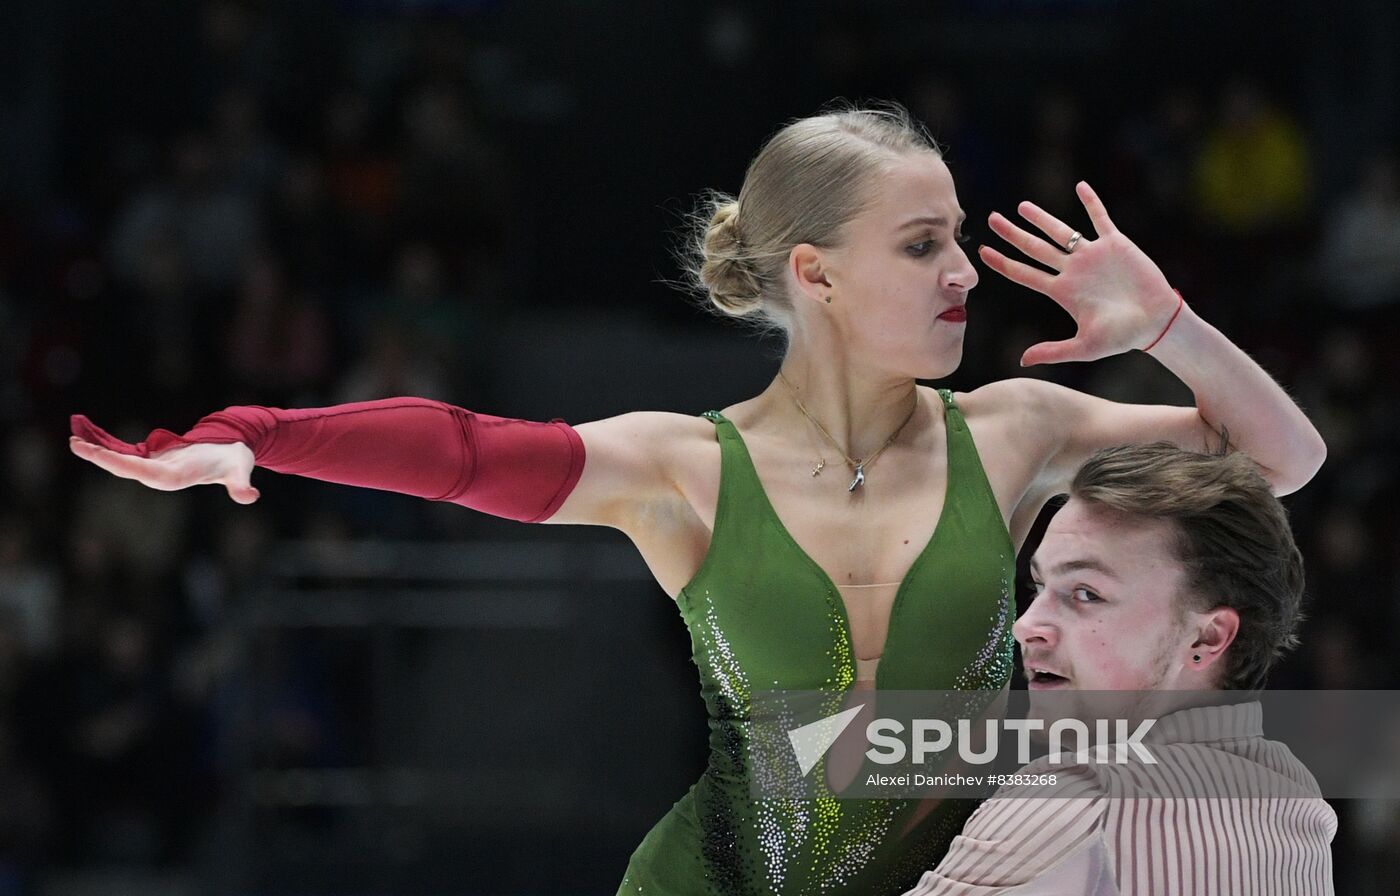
pixel 1052 352
pixel 243 494
pixel 174 468
pixel 1016 271
pixel 1032 246
pixel 239 479
pixel 127 466
pixel 1058 231
pixel 1103 225
pixel 90 432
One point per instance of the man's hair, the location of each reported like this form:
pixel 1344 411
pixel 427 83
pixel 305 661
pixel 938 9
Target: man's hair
pixel 1232 538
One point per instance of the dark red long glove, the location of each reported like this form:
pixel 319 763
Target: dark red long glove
pixel 509 468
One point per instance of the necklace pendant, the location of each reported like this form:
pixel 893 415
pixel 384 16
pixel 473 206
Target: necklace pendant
pixel 859 480
pixel 817 469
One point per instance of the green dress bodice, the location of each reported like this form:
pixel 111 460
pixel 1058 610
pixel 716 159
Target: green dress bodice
pixel 764 616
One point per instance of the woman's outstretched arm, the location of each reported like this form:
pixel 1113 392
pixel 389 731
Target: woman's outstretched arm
pixel 1121 301
pixel 510 468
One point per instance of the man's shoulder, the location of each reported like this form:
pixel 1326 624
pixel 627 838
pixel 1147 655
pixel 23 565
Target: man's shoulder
pixel 1047 786
pixel 1074 772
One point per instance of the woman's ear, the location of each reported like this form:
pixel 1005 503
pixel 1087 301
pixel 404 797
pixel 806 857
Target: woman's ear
pixel 807 265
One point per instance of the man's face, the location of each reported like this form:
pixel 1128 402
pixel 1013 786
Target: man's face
pixel 1105 615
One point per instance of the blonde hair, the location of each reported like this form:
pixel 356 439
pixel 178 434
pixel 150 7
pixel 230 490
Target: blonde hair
pixel 806 183
pixel 1233 539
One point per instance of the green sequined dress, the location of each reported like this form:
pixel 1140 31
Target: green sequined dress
pixel 763 615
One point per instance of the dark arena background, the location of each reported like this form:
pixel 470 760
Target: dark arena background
pixel 338 691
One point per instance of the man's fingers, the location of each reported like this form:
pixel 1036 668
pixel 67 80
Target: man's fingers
pixel 1016 271
pixel 1033 246
pixel 1094 206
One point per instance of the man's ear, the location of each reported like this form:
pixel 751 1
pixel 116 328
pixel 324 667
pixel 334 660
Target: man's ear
pixel 807 265
pixel 1215 631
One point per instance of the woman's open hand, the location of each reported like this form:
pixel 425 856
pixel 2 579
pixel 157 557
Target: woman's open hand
pixel 229 465
pixel 1119 299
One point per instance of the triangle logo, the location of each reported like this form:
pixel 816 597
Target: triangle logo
pixel 810 742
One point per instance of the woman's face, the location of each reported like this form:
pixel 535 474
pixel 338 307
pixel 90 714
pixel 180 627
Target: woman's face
pixel 901 278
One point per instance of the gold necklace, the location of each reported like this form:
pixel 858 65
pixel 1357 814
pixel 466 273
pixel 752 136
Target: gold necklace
pixel 856 464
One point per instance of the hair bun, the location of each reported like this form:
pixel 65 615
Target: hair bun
pixel 726 271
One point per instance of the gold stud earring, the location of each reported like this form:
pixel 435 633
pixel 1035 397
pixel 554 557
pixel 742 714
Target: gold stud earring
pixel 828 300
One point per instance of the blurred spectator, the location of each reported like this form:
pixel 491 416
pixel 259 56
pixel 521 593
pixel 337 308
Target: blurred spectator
pixel 453 183
pixel 31 482
pixel 424 307
pixel 1344 566
pixel 127 762
pixel 28 590
pixel 279 345
pixel 1161 148
pixel 1338 388
pixel 363 177
pixel 1252 174
pixel 295 702
pixel 239 44
pixel 1378 821
pixel 392 365
pixel 197 213
pixel 249 158
pixel 1056 144
pixel 27 810
pixel 305 226
pixel 1359 264
pixel 972 155
pixel 105 510
pixel 1338 660
pixel 178 250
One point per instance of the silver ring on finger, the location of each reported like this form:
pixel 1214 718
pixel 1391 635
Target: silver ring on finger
pixel 1073 241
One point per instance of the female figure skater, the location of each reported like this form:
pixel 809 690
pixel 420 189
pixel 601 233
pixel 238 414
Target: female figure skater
pixel 841 529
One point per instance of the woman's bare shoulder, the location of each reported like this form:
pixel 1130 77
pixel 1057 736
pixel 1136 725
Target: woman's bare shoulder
pixel 634 460
pixel 648 433
pixel 1016 424
pixel 1003 395
pixel 1019 404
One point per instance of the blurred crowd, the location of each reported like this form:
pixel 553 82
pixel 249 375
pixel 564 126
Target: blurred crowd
pixel 280 224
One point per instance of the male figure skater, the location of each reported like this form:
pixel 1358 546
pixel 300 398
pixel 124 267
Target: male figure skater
pixel 1168 576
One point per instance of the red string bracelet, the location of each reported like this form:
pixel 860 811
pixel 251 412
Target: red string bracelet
pixel 1180 303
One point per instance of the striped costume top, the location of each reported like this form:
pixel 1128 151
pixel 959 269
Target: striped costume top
pixel 1108 830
